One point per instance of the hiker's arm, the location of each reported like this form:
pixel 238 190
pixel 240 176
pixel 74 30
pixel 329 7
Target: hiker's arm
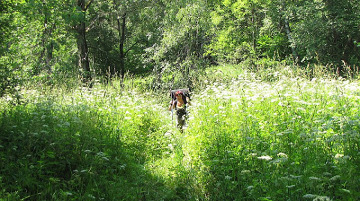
pixel 171 105
pixel 188 100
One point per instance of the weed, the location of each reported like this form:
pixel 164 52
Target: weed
pixel 268 136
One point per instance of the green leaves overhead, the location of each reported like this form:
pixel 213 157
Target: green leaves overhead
pixel 42 37
pixel 235 29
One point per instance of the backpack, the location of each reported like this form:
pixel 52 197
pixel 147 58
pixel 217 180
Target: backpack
pixel 186 93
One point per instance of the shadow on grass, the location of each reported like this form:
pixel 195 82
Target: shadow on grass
pixel 53 152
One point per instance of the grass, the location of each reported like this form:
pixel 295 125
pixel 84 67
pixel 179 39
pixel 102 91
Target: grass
pixel 266 136
pixel 291 139
pixel 81 145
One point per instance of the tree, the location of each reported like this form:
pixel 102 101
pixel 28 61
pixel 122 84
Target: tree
pixel 6 27
pixel 44 12
pixel 183 37
pixel 335 25
pixel 80 29
pixel 342 19
pixel 235 29
pixel 276 35
pixel 119 34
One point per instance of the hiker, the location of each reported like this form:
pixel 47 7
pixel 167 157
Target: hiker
pixel 179 104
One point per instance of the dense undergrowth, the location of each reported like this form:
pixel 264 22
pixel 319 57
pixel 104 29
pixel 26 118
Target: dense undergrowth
pixel 272 135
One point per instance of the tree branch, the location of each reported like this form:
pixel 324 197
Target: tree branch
pixel 86 7
pixel 92 23
pixel 130 48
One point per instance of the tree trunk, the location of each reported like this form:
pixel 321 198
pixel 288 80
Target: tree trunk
pixel 292 45
pixel 47 45
pixel 83 52
pixel 288 31
pixel 253 21
pixel 84 63
pixel 121 28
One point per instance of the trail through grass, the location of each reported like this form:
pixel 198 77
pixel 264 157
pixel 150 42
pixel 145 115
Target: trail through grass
pixel 289 139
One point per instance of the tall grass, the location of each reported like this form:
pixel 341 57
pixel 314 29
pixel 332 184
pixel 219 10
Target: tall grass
pixel 273 135
pixel 82 145
pixel 292 139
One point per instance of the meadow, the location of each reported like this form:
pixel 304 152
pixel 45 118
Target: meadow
pixel 269 136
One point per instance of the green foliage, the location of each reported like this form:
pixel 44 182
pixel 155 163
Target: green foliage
pixel 250 136
pixel 37 46
pixel 104 35
pixel 228 43
pixel 282 140
pixel 334 21
pixel 40 40
pixel 272 43
pixel 8 75
pixel 279 123
pixel 83 145
pixel 180 49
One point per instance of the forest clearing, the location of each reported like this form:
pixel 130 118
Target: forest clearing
pixel 247 139
pixel 90 106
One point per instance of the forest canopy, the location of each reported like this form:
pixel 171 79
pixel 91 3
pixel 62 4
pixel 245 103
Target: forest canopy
pixel 49 39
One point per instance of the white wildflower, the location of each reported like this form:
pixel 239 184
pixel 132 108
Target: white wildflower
pixel 314 178
pixel 309 196
pixel 339 156
pixel 283 155
pixel 267 158
pixel 334 178
pixel 100 154
pixel 322 198
pixel 91 196
pixel 167 134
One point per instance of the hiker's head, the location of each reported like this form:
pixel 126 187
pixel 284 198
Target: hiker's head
pixel 179 94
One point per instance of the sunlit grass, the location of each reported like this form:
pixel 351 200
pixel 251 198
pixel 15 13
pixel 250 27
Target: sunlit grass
pixel 281 140
pixel 286 138
pixel 82 144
